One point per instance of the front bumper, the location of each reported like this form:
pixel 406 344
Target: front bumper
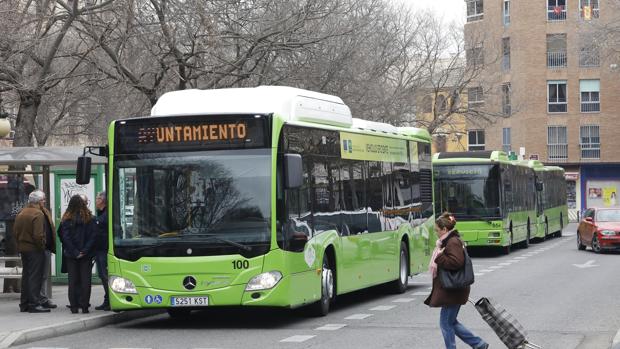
pixel 233 295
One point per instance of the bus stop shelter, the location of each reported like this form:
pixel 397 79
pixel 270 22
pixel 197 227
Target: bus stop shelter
pixel 52 170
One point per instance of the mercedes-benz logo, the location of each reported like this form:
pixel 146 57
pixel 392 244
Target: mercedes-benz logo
pixel 189 282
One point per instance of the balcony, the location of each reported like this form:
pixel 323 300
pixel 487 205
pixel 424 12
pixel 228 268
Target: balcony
pixel 591 151
pixel 557 152
pixel 556 60
pixel 556 13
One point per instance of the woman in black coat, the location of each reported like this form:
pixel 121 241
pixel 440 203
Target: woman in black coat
pixel 77 230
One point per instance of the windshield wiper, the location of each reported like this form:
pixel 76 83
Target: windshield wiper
pixel 218 238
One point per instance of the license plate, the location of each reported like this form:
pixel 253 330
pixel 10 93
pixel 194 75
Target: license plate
pixel 189 301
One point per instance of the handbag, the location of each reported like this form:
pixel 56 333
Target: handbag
pixel 457 279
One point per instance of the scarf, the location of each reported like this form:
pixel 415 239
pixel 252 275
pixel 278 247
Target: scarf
pixel 432 267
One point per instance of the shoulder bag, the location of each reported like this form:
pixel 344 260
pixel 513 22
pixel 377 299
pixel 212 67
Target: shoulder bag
pixel 457 279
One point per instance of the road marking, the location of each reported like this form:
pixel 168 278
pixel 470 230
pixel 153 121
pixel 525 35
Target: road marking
pixel 514 260
pixel 506 264
pixel 297 338
pixel 588 264
pixel 478 274
pixel 383 308
pixel 330 327
pixel 486 270
pixel 615 344
pixel 424 293
pixel 403 300
pixel 495 267
pixel 358 316
pixel 520 258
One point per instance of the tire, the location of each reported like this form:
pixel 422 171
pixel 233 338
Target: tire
pixel 400 285
pixel 596 246
pixel 546 229
pixel 179 314
pixel 526 243
pixel 580 246
pixel 559 233
pixel 328 292
pixel 506 249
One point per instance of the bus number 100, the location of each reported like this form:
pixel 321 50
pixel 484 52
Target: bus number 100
pixel 240 264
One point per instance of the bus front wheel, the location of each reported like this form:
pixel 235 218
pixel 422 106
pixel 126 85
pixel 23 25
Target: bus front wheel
pixel 321 308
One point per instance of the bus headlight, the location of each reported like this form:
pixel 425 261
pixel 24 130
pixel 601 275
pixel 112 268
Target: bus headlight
pixel 121 285
pixel 264 281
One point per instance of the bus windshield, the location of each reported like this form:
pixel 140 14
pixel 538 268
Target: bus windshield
pixel 192 203
pixel 468 191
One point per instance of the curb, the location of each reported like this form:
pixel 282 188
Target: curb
pixel 74 326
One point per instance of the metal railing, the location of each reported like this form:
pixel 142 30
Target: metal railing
pixel 10 272
pixel 556 13
pixel 590 107
pixel 557 59
pixel 557 152
pixel 591 151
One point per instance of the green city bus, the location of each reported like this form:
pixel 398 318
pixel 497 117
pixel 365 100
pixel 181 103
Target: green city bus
pixel 551 206
pixel 492 198
pixel 267 196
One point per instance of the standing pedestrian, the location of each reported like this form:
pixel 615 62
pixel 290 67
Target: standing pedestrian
pixel 449 254
pixel 31 236
pixel 77 229
pixel 101 247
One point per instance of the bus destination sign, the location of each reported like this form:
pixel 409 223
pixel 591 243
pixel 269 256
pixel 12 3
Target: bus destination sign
pixel 189 133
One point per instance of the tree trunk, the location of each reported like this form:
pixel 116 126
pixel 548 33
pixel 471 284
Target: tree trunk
pixel 29 102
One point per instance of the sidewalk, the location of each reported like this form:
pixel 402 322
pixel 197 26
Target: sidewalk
pixel 19 328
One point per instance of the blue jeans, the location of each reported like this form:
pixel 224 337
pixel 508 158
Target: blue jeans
pixel 451 327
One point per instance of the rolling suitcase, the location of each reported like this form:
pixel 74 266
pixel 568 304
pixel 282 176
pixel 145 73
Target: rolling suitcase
pixel 507 328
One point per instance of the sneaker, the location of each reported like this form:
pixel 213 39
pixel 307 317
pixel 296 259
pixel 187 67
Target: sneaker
pixel 38 309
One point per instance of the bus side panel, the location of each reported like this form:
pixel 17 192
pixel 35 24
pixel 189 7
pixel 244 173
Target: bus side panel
pixel 421 245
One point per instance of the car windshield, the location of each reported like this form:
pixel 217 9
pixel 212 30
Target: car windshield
pixel 204 200
pixel 608 216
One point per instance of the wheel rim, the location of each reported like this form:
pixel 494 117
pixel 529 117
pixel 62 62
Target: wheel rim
pixel 328 283
pixel 578 240
pixel 595 245
pixel 403 267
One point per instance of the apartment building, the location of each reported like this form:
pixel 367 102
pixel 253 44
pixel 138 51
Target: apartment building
pixel 557 91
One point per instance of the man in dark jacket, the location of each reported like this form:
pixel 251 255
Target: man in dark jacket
pixel 101 246
pixel 31 235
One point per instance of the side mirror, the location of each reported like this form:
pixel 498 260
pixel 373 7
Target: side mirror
pixel 539 186
pixel 82 173
pixel 293 178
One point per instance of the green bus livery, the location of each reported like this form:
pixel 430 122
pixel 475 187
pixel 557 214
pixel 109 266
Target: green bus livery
pixel 551 206
pixel 267 196
pixel 492 198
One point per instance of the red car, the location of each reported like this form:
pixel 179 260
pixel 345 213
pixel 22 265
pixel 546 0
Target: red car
pixel 599 229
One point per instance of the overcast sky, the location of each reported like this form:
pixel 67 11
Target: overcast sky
pixel 450 10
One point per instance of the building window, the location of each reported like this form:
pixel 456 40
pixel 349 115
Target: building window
pixel 556 97
pixel 506 91
pixel 557 143
pixel 556 10
pixel 474 56
pixel 556 51
pixel 427 104
pixel 440 104
pixel 476 140
pixel 590 96
pixel 474 10
pixel 475 98
pixel 506 53
pixel 506 13
pixel 589 56
pixel 588 9
pixel 506 140
pixel 590 142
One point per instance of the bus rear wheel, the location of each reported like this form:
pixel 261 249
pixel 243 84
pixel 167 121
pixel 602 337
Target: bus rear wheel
pixel 400 285
pixel 328 292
